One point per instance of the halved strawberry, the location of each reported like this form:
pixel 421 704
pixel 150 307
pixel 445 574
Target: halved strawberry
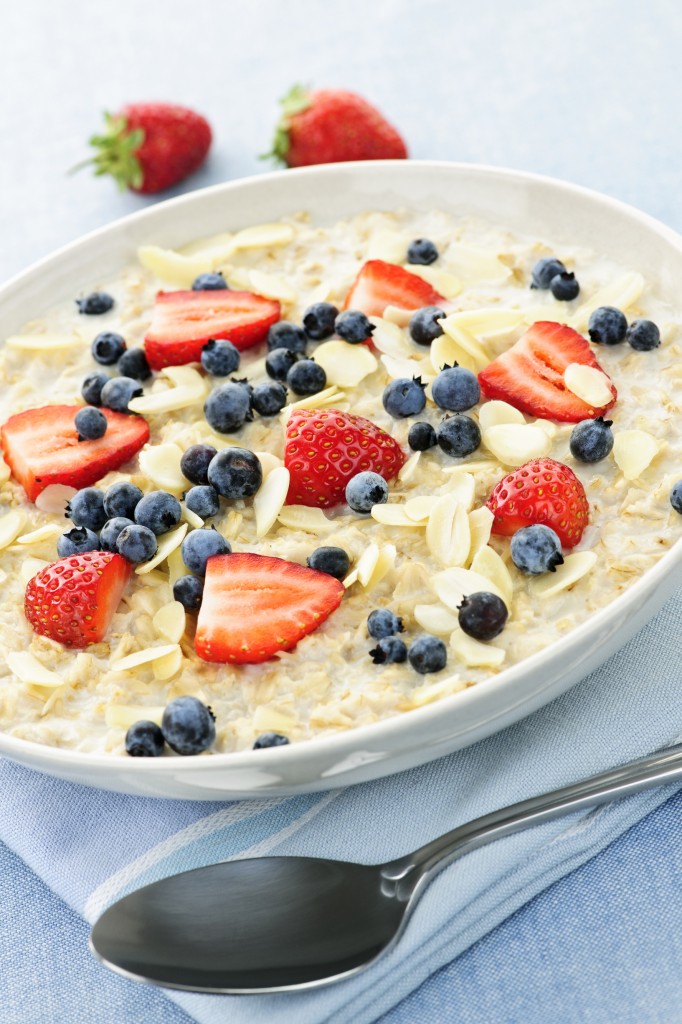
pixel 381 284
pixel 530 375
pixel 255 606
pixel 183 322
pixel 73 600
pixel 324 448
pixel 542 491
pixel 41 447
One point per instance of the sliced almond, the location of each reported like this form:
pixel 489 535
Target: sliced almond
pixel 55 498
pixel 435 618
pixel 481 524
pixel 448 284
pixel 575 566
pixel 269 719
pixel 263 236
pixel 551 429
pixel 588 383
pixel 161 463
pixel 621 293
pixel 393 514
pixel 366 563
pixel 167 543
pixel 330 396
pixel 270 499
pixel 26 667
pixel 452 585
pixel 301 517
pixel 633 451
pixel 344 364
pixel 168 666
pixel 173 267
pixel 30 567
pixel 320 293
pixel 463 489
pixel 176 566
pixel 447 531
pixel 213 249
pixel 465 340
pixel 122 716
pixel 390 339
pixel 268 462
pixel 475 264
pixel 488 321
pixel 491 414
pixel 351 578
pixel 516 443
pixel 398 315
pixel 398 367
pixel 143 657
pixel 445 351
pixel 383 565
pixel 474 466
pixel 169 622
pixel 272 286
pixel 47 532
pixel 430 692
pixel 488 563
pixel 11 525
pixel 389 246
pixel 191 518
pixel 187 377
pixel 36 344
pixel 409 468
pixel 419 508
pixel 170 400
pixel 473 653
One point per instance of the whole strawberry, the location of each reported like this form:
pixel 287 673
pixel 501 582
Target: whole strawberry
pixel 327 126
pixel 147 147
pixel 541 491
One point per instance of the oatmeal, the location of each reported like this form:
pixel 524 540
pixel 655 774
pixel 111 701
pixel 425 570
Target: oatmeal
pixel 428 537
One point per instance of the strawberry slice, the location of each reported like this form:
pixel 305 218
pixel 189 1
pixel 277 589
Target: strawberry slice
pixel 255 606
pixel 183 322
pixel 41 447
pixel 381 284
pixel 542 491
pixel 73 600
pixel 530 375
pixel 324 448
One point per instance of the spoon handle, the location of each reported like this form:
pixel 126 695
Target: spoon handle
pixel 654 770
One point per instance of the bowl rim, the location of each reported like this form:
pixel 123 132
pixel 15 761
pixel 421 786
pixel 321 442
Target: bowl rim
pixel 359 738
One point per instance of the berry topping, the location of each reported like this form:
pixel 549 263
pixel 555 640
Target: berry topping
pixel 536 549
pixel 195 462
pixel 541 491
pixel 353 326
pixel 483 615
pixel 427 654
pixel 306 377
pixel 255 606
pixel 422 252
pixel 607 326
pixel 90 423
pixel 137 543
pixel 188 726
pixel 530 375
pixel 676 497
pixel 41 447
pixel 381 284
pixel 424 326
pixel 209 282
pixel 421 436
pixel 121 499
pixel 366 490
pixel 159 511
pixel 184 321
pixel 334 561
pixel 235 473
pixel 565 286
pixel 456 389
pixel 325 448
pixel 200 545
pixel 203 500
pixel 144 739
pixel 73 600
pixel 270 739
pixel 319 320
pixel 111 531
pixel 77 540
pixel 188 590
pixel 86 508
pixel 91 389
pixel 287 335
pixel 643 335
pixel 404 397
pixel 118 392
pixel 228 407
pixel 591 440
pixel 279 362
pixel 220 358
pixel 389 650
pixel 269 399
pixel 458 436
pixel 382 623
pixel 95 304
pixel 544 272
pixel 107 348
pixel 133 363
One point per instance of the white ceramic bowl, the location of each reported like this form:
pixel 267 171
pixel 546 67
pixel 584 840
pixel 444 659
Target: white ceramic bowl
pixel 525 202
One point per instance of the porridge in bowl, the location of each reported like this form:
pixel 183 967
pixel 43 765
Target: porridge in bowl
pixel 313 477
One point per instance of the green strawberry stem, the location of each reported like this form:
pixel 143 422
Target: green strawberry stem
pixel 116 150
pixel 296 100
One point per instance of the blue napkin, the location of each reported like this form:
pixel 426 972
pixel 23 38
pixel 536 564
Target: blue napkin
pixel 92 847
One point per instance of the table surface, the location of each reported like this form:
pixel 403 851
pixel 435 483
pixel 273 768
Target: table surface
pixel 584 92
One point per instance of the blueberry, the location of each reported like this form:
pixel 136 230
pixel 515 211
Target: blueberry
pixel 95 304
pixel 427 654
pixel 133 363
pixel 483 615
pixel 121 499
pixel 91 388
pixel 565 286
pixel 306 377
pixel 353 326
pixel 424 326
pixel 643 335
pixel 591 440
pixel 676 497
pixel 607 326
pixel 117 392
pixel 86 508
pixel 270 398
pixel 458 435
pixel 404 397
pixel 334 561
pixel 195 462
pixel 422 252
pixel 270 739
pixel 107 348
pixel 200 545
pixel 90 423
pixel 188 726
pixel 279 362
pixel 220 358
pixel 137 543
pixel 287 335
pixel 203 500
pixel 382 623
pixel 456 389
pixel 365 490
pixel 228 407
pixel 77 540
pixel 111 531
pixel 389 650
pixel 144 739
pixel 209 283
pixel 319 319
pixel 159 511
pixel 536 549
pixel 545 270
pixel 235 473
pixel 189 590
pixel 421 436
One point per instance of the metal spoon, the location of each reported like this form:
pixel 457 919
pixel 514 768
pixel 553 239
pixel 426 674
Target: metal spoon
pixel 275 924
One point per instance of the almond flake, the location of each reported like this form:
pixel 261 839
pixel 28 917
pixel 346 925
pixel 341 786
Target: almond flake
pixel 46 343
pixel 269 719
pixel 398 367
pixel 55 498
pixel 268 462
pixel 263 236
pixel 214 249
pixel 270 499
pixel 170 400
pixel 488 563
pixel 167 543
pixel 303 517
pixel 30 567
pixel 344 364
pixel 176 566
pixel 191 518
pixel 161 463
pixel 168 666
pixel 445 351
pixel 454 584
pixel 390 339
pixel 488 321
pixel 383 565
pixel 474 264
pixel 444 282
pixel 430 692
pixel 142 657
pixel 588 383
pixel 551 429
pixel 419 508
pixel 351 578
pixel 473 653
pixel 621 293
pixel 329 396
pixel 393 514
pixel 11 525
pixel 575 566
pixel 389 246
pixel 397 315
pixel 465 340
pixel 272 286
pixel 122 716
pixel 633 451
pixel 463 489
pixel 171 266
pixel 516 443
pixel 491 414
pixel 366 563
pixel 447 531
pixel 409 468
pixel 481 524
pixel 187 377
pixel 474 466
pixel 26 667
pixel 320 293
pixel 47 532
pixel 435 618
pixel 169 622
